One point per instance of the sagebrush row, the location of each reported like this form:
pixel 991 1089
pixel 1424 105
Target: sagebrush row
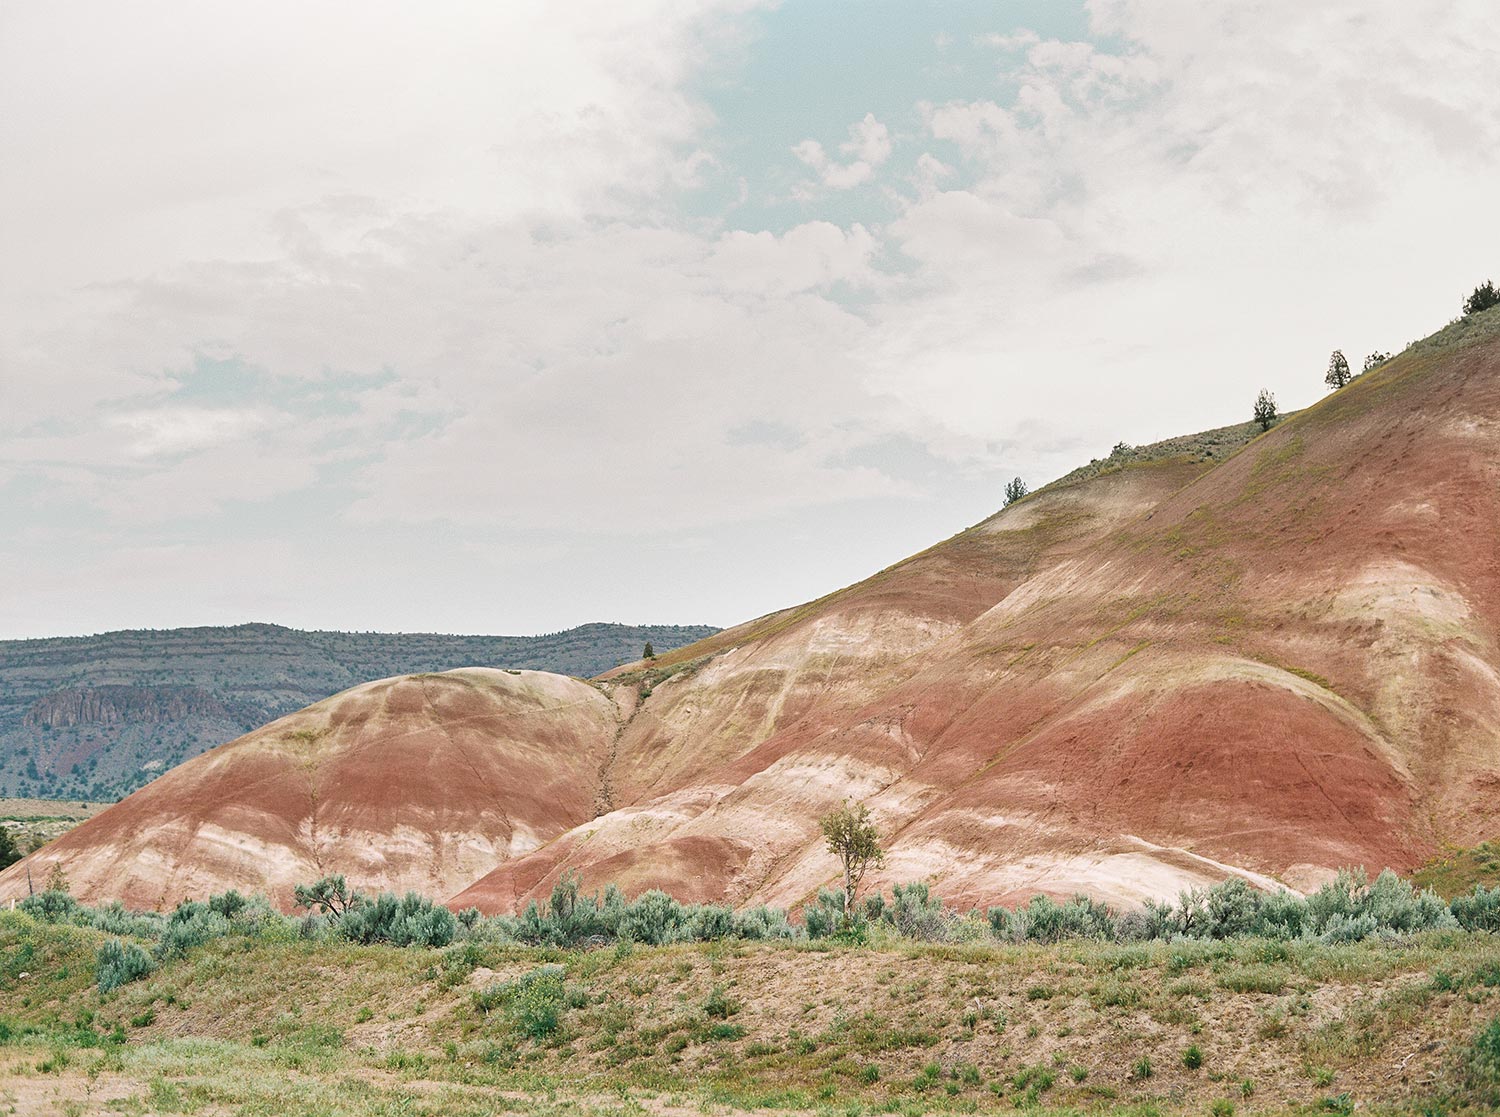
pixel 1347 909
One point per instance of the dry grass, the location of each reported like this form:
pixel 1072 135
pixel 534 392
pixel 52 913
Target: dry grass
pixel 242 1026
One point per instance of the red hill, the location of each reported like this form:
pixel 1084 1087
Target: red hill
pixel 1169 668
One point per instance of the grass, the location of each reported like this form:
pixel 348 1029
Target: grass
pixel 1460 870
pixel 244 1026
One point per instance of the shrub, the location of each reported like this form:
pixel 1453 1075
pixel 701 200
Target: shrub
pixel 711 921
pixel 1482 298
pixel 115 919
pixel 763 923
pixel 51 906
pixel 720 1005
pixel 654 918
pixel 1015 489
pixel 411 920
pixel 1001 923
pixel 917 914
pixel 1192 1058
pixel 191 925
pixel 1350 907
pixel 1481 1066
pixel 1342 928
pixel 229 904
pixel 119 963
pixel 1265 410
pixel 1151 921
pixel 1043 920
pixel 1479 911
pixel 1282 916
pixel 1230 909
pixel 538 1004
pixel 824 915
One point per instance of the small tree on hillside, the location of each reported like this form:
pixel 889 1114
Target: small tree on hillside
pixel 1483 297
pixel 853 839
pixel 9 854
pixel 57 880
pixel 1014 491
pixel 331 896
pixel 1338 371
pixel 650 652
pixel 1375 359
pixel 1265 409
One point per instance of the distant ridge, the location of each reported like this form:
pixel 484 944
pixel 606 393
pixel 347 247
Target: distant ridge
pixel 95 717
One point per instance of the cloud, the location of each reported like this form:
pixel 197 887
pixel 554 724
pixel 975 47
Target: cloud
pixel 868 146
pixel 443 296
pixel 180 430
pixel 1260 183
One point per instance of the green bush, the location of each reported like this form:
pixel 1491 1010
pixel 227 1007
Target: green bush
pixel 655 918
pixel 119 962
pixel 708 922
pixel 1230 909
pixel 719 1005
pixel 1480 910
pixel 51 906
pixel 763 923
pixel 1481 1066
pixel 191 925
pixel 825 915
pixel 1044 920
pixel 410 920
pixel 917 914
pixel 534 1002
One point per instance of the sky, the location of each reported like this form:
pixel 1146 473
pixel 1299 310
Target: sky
pixel 502 318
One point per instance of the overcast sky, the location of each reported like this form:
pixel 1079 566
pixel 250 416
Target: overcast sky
pixel 504 317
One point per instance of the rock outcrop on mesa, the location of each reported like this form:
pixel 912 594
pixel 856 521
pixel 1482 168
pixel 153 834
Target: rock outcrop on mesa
pixel 1169 668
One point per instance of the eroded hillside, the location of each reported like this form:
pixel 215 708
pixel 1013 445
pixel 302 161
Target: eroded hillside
pixel 1181 663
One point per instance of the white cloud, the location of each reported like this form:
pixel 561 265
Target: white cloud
pixel 868 146
pixel 1257 184
pixel 181 430
pixel 487 326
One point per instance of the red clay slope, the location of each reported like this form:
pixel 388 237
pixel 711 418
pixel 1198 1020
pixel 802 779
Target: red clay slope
pixel 1288 665
pixel 421 782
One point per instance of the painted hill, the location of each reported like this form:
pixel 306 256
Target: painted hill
pixel 420 782
pixel 95 717
pixel 1125 684
pixel 1167 668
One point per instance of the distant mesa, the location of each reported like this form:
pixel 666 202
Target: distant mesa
pixel 1255 654
pixel 95 717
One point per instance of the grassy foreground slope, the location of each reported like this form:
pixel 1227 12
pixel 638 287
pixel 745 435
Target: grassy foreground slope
pixel 294 1027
